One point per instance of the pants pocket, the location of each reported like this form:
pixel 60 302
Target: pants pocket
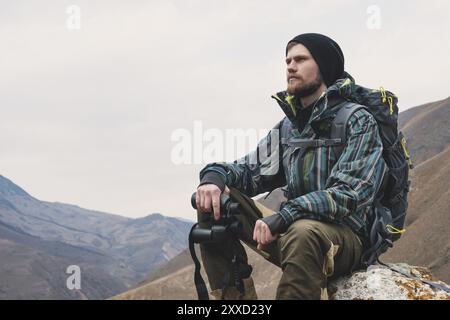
pixel 328 265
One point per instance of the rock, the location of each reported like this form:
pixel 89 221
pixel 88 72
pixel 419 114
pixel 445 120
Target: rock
pixel 381 283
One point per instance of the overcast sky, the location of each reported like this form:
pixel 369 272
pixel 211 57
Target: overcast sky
pixel 88 114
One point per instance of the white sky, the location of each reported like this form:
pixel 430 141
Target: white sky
pixel 87 115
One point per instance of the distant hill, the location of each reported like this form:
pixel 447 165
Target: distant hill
pixel 426 242
pixel 427 238
pixel 427 129
pixel 32 268
pixel 39 240
pixel 178 284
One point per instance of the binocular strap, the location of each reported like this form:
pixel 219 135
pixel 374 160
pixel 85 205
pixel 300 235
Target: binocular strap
pixel 200 285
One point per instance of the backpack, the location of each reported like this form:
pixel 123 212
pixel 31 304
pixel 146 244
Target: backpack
pixel 387 217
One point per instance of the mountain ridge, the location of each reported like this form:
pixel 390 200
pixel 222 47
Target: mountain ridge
pixel 117 250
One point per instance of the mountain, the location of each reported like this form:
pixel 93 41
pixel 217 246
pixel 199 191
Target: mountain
pixel 425 243
pixel 32 268
pixel 427 129
pixel 175 280
pixel 39 240
pixel 427 237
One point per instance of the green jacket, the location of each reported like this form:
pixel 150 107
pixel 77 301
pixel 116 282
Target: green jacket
pixel 318 186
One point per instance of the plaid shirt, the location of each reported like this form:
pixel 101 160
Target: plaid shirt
pixel 318 185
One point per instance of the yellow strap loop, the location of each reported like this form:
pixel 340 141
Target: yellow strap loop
pixel 394 230
pixel 383 94
pixel 391 105
pixel 403 143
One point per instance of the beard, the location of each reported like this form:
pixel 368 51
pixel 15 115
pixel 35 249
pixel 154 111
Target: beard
pixel 307 89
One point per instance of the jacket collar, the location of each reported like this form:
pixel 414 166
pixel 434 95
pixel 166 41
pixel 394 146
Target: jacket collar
pixel 327 104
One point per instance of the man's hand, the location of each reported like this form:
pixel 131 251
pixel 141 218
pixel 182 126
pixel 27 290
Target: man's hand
pixel 207 197
pixel 262 234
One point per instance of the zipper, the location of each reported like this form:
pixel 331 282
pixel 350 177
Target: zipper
pixel 301 177
pixel 293 186
pixel 301 167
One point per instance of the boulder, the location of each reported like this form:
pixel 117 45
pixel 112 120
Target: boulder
pixel 379 282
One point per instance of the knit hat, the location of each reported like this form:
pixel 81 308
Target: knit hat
pixel 327 54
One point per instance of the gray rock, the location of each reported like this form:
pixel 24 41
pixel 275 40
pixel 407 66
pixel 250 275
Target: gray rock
pixel 381 283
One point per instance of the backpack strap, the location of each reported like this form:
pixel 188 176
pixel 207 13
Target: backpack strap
pixel 304 143
pixel 339 125
pixel 308 143
pixel 286 127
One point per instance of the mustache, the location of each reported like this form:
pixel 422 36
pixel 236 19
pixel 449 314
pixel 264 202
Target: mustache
pixel 293 77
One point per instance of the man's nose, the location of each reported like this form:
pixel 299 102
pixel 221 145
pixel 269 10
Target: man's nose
pixel 291 68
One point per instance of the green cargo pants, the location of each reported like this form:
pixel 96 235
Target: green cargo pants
pixel 309 253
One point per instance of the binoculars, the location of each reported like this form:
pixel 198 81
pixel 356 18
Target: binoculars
pixel 219 230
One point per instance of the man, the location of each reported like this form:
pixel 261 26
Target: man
pixel 319 232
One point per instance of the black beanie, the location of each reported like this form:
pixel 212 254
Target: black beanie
pixel 327 54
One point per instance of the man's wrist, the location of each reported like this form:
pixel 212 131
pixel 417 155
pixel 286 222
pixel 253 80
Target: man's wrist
pixel 276 223
pixel 212 177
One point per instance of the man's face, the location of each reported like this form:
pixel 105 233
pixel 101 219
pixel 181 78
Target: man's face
pixel 302 72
